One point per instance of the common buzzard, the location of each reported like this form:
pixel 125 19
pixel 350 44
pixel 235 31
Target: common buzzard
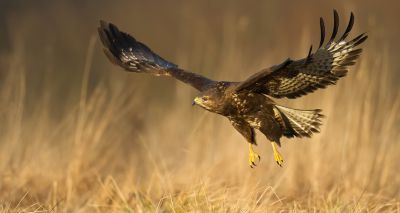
pixel 247 104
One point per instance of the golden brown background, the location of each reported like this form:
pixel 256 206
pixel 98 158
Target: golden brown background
pixel 79 134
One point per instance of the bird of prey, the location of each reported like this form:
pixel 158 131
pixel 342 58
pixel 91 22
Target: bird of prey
pixel 248 104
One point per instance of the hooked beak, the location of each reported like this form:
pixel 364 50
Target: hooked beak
pixel 195 101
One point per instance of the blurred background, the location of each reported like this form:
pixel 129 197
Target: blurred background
pixel 78 133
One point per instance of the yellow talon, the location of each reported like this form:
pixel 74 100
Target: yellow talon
pixel 253 156
pixel 277 155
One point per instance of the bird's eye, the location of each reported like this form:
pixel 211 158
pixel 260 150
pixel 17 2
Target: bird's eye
pixel 205 98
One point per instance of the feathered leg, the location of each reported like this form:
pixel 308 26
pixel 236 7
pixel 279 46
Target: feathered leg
pixel 272 130
pixel 247 132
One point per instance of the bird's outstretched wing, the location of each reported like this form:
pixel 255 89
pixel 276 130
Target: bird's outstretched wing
pixel 293 79
pixel 134 56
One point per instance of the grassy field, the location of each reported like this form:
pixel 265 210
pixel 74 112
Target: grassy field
pixel 78 134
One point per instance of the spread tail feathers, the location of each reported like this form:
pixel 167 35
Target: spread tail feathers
pixel 299 123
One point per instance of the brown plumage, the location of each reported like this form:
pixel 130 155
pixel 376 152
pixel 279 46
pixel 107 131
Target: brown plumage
pixel 246 104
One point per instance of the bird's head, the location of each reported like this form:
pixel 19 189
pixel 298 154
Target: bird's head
pixel 205 101
pixel 211 100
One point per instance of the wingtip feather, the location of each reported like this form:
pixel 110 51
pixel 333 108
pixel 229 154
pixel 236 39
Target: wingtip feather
pixel 322 27
pixel 335 26
pixel 349 27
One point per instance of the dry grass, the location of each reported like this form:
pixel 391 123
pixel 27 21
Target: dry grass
pixel 81 135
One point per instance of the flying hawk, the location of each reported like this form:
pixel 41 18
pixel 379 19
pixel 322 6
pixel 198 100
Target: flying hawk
pixel 247 104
